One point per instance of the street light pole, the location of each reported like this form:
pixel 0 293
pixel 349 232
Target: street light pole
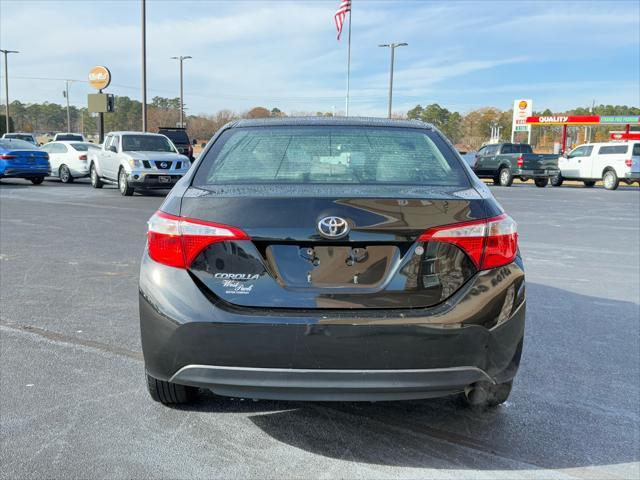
pixel 393 47
pixel 144 66
pixel 6 87
pixel 181 59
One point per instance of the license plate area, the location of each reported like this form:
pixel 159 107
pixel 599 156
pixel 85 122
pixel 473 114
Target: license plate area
pixel 331 266
pixel 164 179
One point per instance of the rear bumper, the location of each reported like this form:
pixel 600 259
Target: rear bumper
pixel 329 385
pixel 192 339
pixel 16 172
pixel 546 173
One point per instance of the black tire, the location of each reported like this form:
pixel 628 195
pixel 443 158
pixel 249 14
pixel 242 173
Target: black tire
pixel 95 179
pixel 483 395
pixel 65 174
pixel 541 182
pixel 37 180
pixel 126 190
pixel 169 393
pixel 610 180
pixel 557 181
pixel 589 183
pixel 505 177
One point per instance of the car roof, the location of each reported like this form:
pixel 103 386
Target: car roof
pixel 18 133
pixel 134 133
pixel 330 121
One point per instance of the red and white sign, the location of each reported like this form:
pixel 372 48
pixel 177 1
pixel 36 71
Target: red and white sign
pixel 522 109
pixel 625 136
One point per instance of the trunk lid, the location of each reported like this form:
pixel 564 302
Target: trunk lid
pixel 289 263
pixel 29 158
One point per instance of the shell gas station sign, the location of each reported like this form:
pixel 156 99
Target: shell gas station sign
pixel 522 109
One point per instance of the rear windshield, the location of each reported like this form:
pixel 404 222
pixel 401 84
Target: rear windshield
pixel 19 136
pixel 636 149
pixel 176 136
pixel 146 143
pixel 68 137
pixel 14 143
pixel 330 155
pixel 83 147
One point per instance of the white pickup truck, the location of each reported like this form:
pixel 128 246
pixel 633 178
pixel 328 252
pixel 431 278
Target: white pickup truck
pixel 611 162
pixel 136 160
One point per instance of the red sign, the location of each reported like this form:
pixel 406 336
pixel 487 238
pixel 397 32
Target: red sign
pixel 565 120
pixel 625 136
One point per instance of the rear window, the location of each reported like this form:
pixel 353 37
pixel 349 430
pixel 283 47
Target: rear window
pixel 176 136
pixel 522 148
pixel 68 137
pixel 83 147
pixel 14 143
pixel 612 149
pixel 19 136
pixel 636 149
pixel 330 155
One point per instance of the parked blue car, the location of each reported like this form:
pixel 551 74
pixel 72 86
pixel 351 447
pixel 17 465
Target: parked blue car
pixel 20 159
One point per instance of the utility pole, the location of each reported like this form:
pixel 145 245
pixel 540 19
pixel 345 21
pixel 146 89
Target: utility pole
pixel 144 66
pixel 181 59
pixel 393 47
pixel 6 86
pixel 66 94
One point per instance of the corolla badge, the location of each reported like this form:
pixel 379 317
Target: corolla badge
pixel 333 227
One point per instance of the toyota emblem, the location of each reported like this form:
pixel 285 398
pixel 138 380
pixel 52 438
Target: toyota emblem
pixel 333 227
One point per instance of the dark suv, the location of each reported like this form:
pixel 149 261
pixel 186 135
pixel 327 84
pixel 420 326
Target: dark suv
pixel 331 259
pixel 180 139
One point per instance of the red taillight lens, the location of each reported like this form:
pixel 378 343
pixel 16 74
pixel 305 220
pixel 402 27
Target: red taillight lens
pixel 490 243
pixel 520 161
pixel 628 162
pixel 7 157
pixel 82 158
pixel 177 241
pixel 190 151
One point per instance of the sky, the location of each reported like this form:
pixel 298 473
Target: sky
pixel 461 54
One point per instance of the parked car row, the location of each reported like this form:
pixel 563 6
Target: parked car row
pixel 609 162
pixel 128 159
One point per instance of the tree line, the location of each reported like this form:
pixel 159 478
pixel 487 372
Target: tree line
pixel 470 129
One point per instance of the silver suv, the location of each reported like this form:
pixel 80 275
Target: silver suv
pixel 137 160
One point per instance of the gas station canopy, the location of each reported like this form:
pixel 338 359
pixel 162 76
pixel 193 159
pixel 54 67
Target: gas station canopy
pixel 585 120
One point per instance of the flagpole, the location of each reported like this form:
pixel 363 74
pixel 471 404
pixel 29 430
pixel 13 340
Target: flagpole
pixel 348 65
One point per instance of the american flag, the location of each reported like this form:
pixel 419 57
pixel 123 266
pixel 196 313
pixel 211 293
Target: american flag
pixel 338 18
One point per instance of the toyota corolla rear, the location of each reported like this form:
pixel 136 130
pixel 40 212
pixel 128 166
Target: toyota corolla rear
pixel 331 259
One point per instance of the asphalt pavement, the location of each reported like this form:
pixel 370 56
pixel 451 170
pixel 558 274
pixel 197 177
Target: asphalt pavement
pixel 73 402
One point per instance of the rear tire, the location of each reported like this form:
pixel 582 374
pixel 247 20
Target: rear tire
pixel 169 393
pixel 37 180
pixel 64 174
pixel 610 180
pixel 589 183
pixel 541 182
pixel 95 179
pixel 126 190
pixel 505 177
pixel 557 181
pixel 484 395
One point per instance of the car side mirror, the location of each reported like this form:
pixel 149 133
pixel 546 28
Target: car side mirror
pixel 195 142
pixel 113 148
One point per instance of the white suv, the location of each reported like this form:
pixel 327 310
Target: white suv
pixel 610 162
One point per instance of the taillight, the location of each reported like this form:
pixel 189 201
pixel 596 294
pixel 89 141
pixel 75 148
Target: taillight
pixel 177 241
pixel 628 162
pixel 82 158
pixel 490 243
pixel 190 150
pixel 520 161
pixel 7 157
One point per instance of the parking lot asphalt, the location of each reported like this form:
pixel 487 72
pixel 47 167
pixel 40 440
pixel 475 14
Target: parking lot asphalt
pixel 73 402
